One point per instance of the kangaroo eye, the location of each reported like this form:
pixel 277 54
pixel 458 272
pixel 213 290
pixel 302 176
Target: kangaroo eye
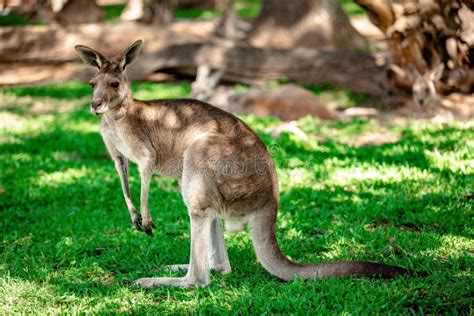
pixel 114 84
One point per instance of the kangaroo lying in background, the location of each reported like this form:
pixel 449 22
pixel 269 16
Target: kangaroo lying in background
pixel 225 171
pixel 288 102
pixel 425 96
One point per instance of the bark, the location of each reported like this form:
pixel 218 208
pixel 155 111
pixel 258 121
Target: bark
pixel 79 11
pixel 158 12
pixel 380 12
pixel 230 25
pixel 134 11
pixel 304 23
pixel 424 34
pixel 179 49
pixel 161 11
pixel 55 44
pixel 203 4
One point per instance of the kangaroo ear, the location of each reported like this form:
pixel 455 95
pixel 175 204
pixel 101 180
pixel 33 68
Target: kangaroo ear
pixel 130 54
pixel 437 73
pixel 90 56
pixel 413 73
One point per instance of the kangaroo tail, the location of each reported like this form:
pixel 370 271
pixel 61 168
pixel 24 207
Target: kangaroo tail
pixel 262 228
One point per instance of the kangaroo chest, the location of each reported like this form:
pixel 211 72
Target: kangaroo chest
pixel 114 137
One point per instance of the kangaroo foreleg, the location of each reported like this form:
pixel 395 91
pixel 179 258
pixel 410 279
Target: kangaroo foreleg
pixel 121 164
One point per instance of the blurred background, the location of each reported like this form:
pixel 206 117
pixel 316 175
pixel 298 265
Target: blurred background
pixel 365 106
pixel 410 57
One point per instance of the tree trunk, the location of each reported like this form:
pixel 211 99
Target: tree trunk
pixel 155 11
pixel 202 4
pixel 134 11
pixel 304 23
pixel 80 11
pixel 161 11
pixel 250 65
pixel 424 34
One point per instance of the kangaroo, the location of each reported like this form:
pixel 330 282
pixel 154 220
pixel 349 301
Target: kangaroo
pixel 225 170
pixel 431 103
pixel 288 102
pixel 424 90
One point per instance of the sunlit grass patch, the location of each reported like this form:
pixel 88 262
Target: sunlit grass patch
pixel 59 178
pixel 11 122
pixel 381 173
pixel 17 295
pixel 451 247
pixel 150 91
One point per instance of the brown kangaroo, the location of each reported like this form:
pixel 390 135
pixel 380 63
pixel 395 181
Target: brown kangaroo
pixel 225 170
pixel 288 102
pixel 427 99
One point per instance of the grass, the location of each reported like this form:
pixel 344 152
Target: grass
pixel 245 8
pixel 113 11
pixel 248 9
pixel 67 244
pixel 13 20
pixel 351 8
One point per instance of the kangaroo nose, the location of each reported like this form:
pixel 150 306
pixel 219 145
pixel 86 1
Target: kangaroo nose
pixel 96 103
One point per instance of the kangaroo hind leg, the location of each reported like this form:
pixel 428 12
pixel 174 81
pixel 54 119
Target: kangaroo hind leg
pixel 198 272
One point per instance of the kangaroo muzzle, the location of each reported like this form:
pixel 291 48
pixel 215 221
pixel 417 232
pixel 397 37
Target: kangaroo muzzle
pixel 97 107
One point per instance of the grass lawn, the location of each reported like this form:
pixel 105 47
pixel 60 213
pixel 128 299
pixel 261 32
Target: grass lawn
pixel 67 244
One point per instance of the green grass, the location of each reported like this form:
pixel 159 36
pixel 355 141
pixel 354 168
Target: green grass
pixel 248 9
pixel 351 8
pixel 245 8
pixel 113 11
pixel 13 20
pixel 67 244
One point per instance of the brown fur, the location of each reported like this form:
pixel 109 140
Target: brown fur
pixel 434 105
pixel 288 102
pixel 224 168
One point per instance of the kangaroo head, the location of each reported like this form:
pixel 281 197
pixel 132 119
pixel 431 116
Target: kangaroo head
pixel 110 84
pixel 423 88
